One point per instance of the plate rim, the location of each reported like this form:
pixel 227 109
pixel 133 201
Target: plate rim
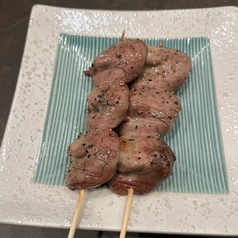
pixel 7 134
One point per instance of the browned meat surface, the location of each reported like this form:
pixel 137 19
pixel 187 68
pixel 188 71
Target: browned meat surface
pixel 120 62
pixel 144 163
pixel 107 106
pixel 165 69
pixel 143 152
pixel 94 159
pixel 150 110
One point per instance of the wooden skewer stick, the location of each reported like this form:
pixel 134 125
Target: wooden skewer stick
pixel 122 36
pixel 75 220
pixel 127 213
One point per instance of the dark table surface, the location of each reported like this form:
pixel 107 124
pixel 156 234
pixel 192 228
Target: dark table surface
pixel 14 18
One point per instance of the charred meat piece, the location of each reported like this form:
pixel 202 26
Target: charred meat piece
pixel 120 62
pixel 107 106
pixel 165 69
pixel 94 159
pixel 145 162
pixel 151 110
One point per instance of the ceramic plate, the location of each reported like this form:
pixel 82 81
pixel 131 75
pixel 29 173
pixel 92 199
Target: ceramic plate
pixel 23 201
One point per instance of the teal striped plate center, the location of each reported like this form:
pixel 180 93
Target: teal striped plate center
pixel 195 138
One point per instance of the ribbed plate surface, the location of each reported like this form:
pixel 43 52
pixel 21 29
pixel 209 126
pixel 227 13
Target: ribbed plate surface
pixel 195 137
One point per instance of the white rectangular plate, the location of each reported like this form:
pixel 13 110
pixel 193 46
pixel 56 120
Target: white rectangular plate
pixel 24 202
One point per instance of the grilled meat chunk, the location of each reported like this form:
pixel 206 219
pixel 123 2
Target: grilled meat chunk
pixel 120 62
pixel 144 163
pixel 165 69
pixel 94 159
pixel 150 110
pixel 107 106
pixel 143 153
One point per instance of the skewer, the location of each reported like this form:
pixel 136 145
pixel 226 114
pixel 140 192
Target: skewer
pixel 75 220
pixel 126 213
pixel 122 36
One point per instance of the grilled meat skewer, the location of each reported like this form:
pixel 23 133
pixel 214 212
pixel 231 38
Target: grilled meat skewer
pixel 142 159
pixel 144 162
pixel 94 156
